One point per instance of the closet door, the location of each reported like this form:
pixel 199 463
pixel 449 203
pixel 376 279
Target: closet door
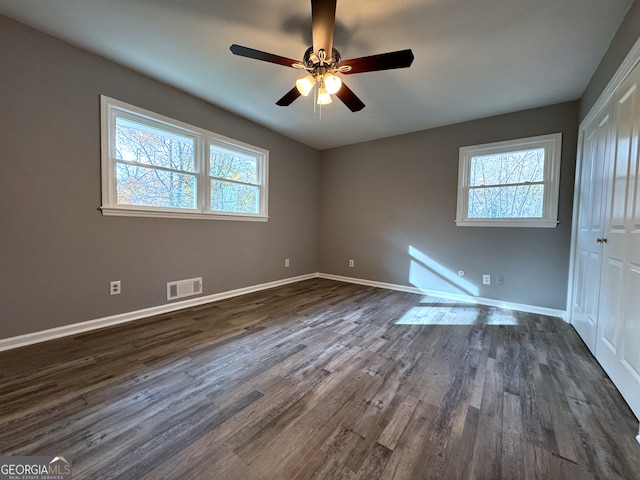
pixel 618 331
pixel 596 151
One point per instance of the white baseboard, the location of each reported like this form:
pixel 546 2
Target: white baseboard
pixel 81 327
pixel 490 302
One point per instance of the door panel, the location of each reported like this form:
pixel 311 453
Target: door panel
pixel 618 325
pixel 620 175
pixel 587 268
pixel 610 317
pixel 630 354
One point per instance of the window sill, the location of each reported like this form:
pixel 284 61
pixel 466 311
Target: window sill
pixel 537 223
pixel 142 212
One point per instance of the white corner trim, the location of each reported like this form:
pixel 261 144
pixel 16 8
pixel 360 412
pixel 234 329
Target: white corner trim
pixel 490 302
pixel 81 327
pixel 638 438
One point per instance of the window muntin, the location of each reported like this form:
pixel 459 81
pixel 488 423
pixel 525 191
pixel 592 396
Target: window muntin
pixel 156 166
pixel 513 183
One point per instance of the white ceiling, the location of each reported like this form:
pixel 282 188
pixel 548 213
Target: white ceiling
pixel 473 58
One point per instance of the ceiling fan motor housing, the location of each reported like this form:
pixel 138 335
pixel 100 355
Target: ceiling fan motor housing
pixel 312 61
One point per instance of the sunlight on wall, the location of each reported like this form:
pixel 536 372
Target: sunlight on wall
pixel 431 277
pixel 426 273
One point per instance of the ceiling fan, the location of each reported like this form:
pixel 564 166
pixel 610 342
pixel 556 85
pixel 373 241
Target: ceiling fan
pixel 323 63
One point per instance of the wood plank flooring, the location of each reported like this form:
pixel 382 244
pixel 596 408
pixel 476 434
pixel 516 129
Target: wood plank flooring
pixel 321 380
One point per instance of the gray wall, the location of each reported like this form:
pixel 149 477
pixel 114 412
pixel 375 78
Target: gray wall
pixel 391 204
pixel 58 253
pixel 622 42
pixel 388 204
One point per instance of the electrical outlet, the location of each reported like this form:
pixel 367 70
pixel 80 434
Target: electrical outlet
pixel 499 280
pixel 115 288
pixel 486 279
pixel 351 263
pixel 286 262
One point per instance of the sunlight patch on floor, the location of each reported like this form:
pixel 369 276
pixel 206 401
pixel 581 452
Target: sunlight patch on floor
pixel 451 312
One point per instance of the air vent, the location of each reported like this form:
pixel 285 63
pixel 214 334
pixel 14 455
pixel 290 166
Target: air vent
pixel 184 288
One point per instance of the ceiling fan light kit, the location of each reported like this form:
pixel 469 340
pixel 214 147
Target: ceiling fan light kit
pixel 332 83
pixel 322 70
pixel 323 96
pixel 306 84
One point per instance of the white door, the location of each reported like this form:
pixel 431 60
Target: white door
pixel 618 330
pixel 596 150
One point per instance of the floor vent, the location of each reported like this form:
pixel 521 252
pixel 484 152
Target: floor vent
pixel 184 288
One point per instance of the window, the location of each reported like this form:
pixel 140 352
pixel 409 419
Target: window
pixel 510 184
pixel 158 167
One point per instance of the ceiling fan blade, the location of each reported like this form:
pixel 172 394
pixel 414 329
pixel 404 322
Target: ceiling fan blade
pixel 323 19
pixel 288 97
pixel 382 61
pixel 349 98
pixel 260 55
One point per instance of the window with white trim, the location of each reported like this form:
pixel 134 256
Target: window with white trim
pixel 154 166
pixel 510 184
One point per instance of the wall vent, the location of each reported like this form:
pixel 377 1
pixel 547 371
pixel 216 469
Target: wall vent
pixel 184 288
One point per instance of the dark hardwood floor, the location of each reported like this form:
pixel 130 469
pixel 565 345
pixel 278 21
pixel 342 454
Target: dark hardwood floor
pixel 321 380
